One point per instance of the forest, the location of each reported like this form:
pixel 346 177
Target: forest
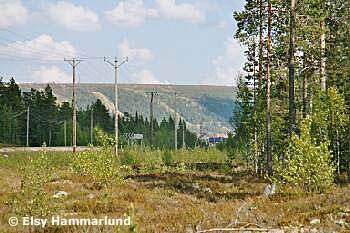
pixel 295 86
pixel 50 122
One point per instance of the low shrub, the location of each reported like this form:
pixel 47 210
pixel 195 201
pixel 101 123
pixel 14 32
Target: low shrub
pixel 101 165
pixel 35 173
pixel 145 157
pixel 200 155
pixel 167 158
pixel 307 166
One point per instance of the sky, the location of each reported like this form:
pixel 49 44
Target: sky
pixel 184 42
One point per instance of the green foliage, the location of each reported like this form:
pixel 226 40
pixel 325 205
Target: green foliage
pixel 156 158
pixel 307 165
pixel 329 108
pixel 103 139
pixel 101 165
pixel 151 158
pixel 329 114
pixel 167 157
pixel 32 200
pixel 198 155
pixel 230 147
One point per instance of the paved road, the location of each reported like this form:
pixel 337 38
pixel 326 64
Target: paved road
pixel 34 149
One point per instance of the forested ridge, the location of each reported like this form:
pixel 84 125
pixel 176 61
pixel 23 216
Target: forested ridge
pixel 209 106
pixel 295 84
pixel 48 120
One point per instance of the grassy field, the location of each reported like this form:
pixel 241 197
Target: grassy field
pixel 187 191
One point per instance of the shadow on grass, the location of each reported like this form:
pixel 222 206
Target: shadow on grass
pixel 199 192
pixel 186 183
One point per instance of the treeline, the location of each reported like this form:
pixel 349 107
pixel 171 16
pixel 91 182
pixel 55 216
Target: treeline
pixel 297 67
pixel 50 122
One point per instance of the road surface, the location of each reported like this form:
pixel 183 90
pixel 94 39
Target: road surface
pixel 34 149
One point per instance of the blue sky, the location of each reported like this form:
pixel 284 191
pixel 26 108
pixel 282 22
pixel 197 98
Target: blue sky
pixel 167 41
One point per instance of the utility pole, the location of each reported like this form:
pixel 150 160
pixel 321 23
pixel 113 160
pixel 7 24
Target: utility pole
pixel 153 94
pixel 151 119
pixel 92 126
pixel 65 132
pixel 116 66
pixel 175 126
pixel 74 63
pixel 27 126
pixel 183 135
pixel 185 126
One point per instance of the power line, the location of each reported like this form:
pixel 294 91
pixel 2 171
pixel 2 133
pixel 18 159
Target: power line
pixel 61 54
pixel 35 51
pixel 43 51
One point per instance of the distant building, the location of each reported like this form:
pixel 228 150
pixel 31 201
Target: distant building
pixel 212 139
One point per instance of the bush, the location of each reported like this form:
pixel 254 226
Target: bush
pixel 167 158
pixel 35 173
pixel 103 139
pixel 101 165
pixel 307 166
pixel 146 157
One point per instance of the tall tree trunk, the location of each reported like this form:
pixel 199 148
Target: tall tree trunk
pixel 305 86
pixel 50 135
pixel 322 51
pixel 292 111
pixel 348 81
pixel 261 43
pixel 268 97
pixel 256 156
pixel 338 151
pixel 261 58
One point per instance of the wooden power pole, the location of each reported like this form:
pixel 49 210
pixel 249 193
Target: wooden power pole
pixel 74 63
pixel 151 112
pixel 92 126
pixel 175 126
pixel 28 126
pixel 116 66
pixel 65 132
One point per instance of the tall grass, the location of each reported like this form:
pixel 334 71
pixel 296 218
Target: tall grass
pixel 158 157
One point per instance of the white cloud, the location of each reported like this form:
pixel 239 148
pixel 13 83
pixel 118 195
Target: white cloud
pixel 130 13
pixel 227 66
pixel 12 13
pixel 72 17
pixel 222 24
pixel 136 55
pixel 43 47
pixel 52 74
pixel 181 11
pixel 145 77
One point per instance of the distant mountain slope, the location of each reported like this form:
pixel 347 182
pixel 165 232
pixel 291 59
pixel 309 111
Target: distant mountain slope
pixel 211 106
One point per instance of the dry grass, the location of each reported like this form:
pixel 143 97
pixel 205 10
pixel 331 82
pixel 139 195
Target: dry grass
pixel 178 202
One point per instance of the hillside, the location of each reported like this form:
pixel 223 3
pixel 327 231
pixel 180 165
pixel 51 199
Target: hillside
pixel 210 106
